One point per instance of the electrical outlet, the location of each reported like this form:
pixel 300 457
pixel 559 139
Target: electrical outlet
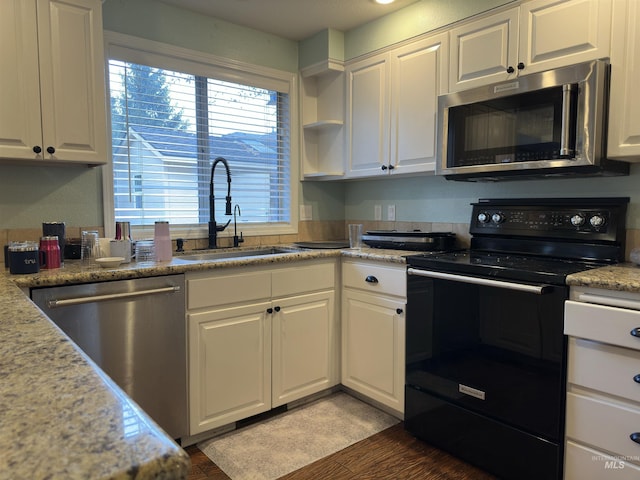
pixel 391 213
pixel 306 212
pixel 377 212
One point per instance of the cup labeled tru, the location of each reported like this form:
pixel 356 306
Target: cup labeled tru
pixel 24 257
pixel 355 235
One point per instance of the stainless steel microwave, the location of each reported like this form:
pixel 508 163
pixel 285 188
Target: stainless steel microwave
pixel 551 123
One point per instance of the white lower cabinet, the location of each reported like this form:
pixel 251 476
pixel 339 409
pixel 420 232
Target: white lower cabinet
pixel 259 338
pixel 304 355
pixel 373 331
pixel 603 390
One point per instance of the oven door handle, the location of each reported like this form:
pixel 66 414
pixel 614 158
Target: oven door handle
pixel 487 282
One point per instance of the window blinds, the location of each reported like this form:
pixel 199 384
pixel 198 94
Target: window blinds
pixel 169 126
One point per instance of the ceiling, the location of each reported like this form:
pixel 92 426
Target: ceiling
pixel 293 19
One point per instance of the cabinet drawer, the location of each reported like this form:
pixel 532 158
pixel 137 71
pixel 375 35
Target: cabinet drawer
pixel 604 367
pixel 303 278
pixel 603 424
pixel 207 290
pixel 582 463
pixel 375 278
pixel 602 323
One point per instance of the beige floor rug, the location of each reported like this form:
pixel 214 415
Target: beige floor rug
pixel 282 444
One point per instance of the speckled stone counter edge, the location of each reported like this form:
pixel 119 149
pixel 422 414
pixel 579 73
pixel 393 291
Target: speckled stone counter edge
pixel 624 277
pixel 63 418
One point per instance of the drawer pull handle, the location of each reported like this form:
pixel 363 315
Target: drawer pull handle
pixel 372 279
pixel 635 436
pixel 637 378
pixel 635 332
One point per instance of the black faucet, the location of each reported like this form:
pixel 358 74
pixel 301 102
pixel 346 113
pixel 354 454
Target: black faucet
pixel 213 227
pixel 236 241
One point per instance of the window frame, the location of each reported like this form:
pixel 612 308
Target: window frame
pixel 170 57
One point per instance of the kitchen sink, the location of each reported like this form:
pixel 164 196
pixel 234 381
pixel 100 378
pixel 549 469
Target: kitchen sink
pixel 226 254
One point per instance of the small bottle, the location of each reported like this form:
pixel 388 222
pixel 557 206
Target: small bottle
pixel 162 242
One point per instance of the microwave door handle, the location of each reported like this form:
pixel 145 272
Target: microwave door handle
pixel 567 108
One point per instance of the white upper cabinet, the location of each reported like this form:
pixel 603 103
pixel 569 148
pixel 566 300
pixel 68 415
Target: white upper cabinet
pixel 418 76
pixel 483 50
pixel 624 117
pixel 392 109
pixel 52 107
pixel 367 116
pixel 537 36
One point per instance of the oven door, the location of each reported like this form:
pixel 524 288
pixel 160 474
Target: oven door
pixel 494 348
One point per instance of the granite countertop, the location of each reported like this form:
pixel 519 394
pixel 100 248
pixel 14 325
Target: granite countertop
pixel 623 277
pixel 62 417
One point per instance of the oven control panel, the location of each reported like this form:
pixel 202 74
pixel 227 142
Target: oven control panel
pixel 587 220
pixel 548 220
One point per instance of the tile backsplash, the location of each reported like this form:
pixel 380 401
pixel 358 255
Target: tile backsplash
pixel 307 231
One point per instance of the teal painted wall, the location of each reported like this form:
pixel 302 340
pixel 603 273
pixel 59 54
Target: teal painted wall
pixel 157 21
pixel 434 199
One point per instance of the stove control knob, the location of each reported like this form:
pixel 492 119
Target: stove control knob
pixel 597 221
pixel 497 218
pixel 483 217
pixel 577 220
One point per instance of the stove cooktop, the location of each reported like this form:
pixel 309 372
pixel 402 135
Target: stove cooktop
pixel 504 266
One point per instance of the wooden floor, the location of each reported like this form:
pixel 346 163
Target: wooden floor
pixel 393 454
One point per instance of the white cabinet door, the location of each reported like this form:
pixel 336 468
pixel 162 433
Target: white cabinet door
pixel 72 80
pixel 484 51
pixel 230 365
pixel 367 116
pixel 304 350
pixel 373 330
pixel 419 75
pixel 539 35
pixel 556 33
pixel 20 128
pixel 52 60
pixel 624 117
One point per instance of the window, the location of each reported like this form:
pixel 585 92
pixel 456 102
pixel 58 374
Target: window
pixel 170 124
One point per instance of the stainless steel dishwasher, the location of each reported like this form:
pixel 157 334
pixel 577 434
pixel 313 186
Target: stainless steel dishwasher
pixel 135 331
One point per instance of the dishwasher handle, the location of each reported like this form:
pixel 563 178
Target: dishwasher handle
pixel 111 296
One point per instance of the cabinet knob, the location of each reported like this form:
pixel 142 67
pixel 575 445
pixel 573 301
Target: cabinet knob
pixel 51 150
pixel 277 309
pixel 399 311
pixel 635 436
pixel 384 167
pixel 520 66
pixel 510 69
pixel 37 149
pixel 391 167
pixel 371 279
pixel 637 378
pixel 269 310
pixel 635 332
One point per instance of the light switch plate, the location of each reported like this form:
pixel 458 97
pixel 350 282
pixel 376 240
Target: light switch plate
pixel 391 213
pixel 377 212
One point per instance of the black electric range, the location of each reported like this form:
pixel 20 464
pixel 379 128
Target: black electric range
pixel 486 354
